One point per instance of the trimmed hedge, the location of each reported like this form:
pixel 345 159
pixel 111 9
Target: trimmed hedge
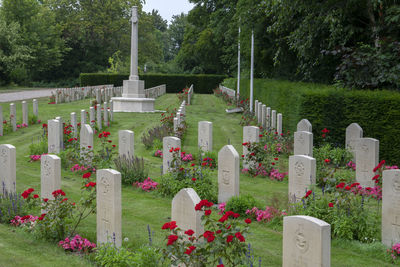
pixel 377 112
pixel 203 83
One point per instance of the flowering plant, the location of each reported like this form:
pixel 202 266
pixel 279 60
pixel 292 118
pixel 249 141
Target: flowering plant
pixel 266 215
pixel 147 185
pixel 77 244
pixel 223 240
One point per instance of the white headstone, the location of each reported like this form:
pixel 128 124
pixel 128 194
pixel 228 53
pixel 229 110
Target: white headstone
pixel 259 112
pixel 98 96
pixel 250 134
pixel 176 124
pixel 8 173
pixel 111 110
pixel 126 146
pixel 279 123
pixel 353 134
pixel 205 135
pixel 304 125
pixel 273 120
pixel 306 242
pixel 53 134
pixel 99 119
pixel 109 211
pixel 25 115
pixel 105 110
pixel 13 116
pixel 1 121
pixel 83 117
pixel 169 142
pixel 390 207
pixel 86 138
pixel 183 211
pixel 35 108
pixel 92 116
pixel 268 118
pixel 256 108
pixel 367 158
pixel 74 124
pixel 228 173
pixel 264 116
pixel 61 132
pixel 50 175
pixel 302 174
pixel 303 143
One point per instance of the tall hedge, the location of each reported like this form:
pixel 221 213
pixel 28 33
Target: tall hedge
pixel 203 83
pixel 377 112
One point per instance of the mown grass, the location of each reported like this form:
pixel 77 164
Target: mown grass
pixel 140 209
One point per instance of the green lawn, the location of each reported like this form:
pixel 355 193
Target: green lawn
pixel 140 209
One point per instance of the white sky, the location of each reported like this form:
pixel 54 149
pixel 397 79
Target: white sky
pixel 167 8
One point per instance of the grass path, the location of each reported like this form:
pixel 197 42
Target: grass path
pixel 139 209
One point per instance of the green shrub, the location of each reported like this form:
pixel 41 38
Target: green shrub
pixel 328 107
pixel 147 257
pixel 39 147
pixel 203 83
pixel 111 256
pixel 11 205
pixel 132 169
pixel 241 204
pixel 204 186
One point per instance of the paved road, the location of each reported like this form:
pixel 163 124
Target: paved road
pixel 23 95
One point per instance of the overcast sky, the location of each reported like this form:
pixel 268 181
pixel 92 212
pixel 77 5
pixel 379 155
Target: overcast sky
pixel 167 8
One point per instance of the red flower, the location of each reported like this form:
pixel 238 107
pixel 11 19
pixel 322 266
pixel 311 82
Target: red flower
pixel 275 158
pixel 89 146
pixel 45 199
pixel 309 192
pixel 194 179
pixel 30 190
pixel 87 175
pixel 323 135
pixel 190 249
pixel 220 265
pixel 65 199
pixel 218 231
pixel 330 205
pixel 273 163
pixel 203 203
pixel 110 141
pixel 325 130
pixel 35 196
pixel 244 144
pixel 341 185
pixel 189 232
pixel 229 238
pixel 207 212
pixel 260 135
pixel 25 194
pixel 248 221
pixel 91 184
pixel 327 160
pixel 44 125
pixel 240 237
pixel 172 239
pixel 172 225
pixel 355 184
pixel 113 145
pixel 172 149
pixel 347 188
pixel 242 156
pixel 193 164
pixel 176 149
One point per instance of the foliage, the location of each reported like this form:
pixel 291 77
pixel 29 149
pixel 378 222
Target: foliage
pixel 240 204
pixel 109 255
pixel 154 134
pixel 132 169
pixel 187 175
pixel 333 108
pixel 349 212
pixel 11 205
pixel 225 240
pixel 77 244
pixel 39 147
pixel 203 84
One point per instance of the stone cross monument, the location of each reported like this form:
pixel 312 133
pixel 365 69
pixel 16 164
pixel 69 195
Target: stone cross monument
pixel 133 96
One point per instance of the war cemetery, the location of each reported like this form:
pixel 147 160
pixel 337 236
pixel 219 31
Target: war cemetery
pixel 268 135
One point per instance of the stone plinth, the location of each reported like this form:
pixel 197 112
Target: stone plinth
pixel 133 98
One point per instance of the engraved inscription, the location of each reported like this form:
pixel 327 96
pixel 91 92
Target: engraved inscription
pixel 105 182
pixel 301 240
pixel 225 177
pixel 299 168
pixel 396 183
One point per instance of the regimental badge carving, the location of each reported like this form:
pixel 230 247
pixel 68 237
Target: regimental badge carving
pixel 396 183
pixel 4 155
pixel 105 182
pixel 301 139
pixel 225 177
pixel 134 15
pixel 364 147
pixel 299 168
pixel 46 168
pixel 300 240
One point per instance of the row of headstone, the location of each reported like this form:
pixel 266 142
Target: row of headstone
pixel 228 167
pixel 205 136
pixel 156 91
pixel 306 240
pixel 13 115
pixel 225 90
pixel 190 95
pixel 103 93
pixel 180 116
pixel 267 118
